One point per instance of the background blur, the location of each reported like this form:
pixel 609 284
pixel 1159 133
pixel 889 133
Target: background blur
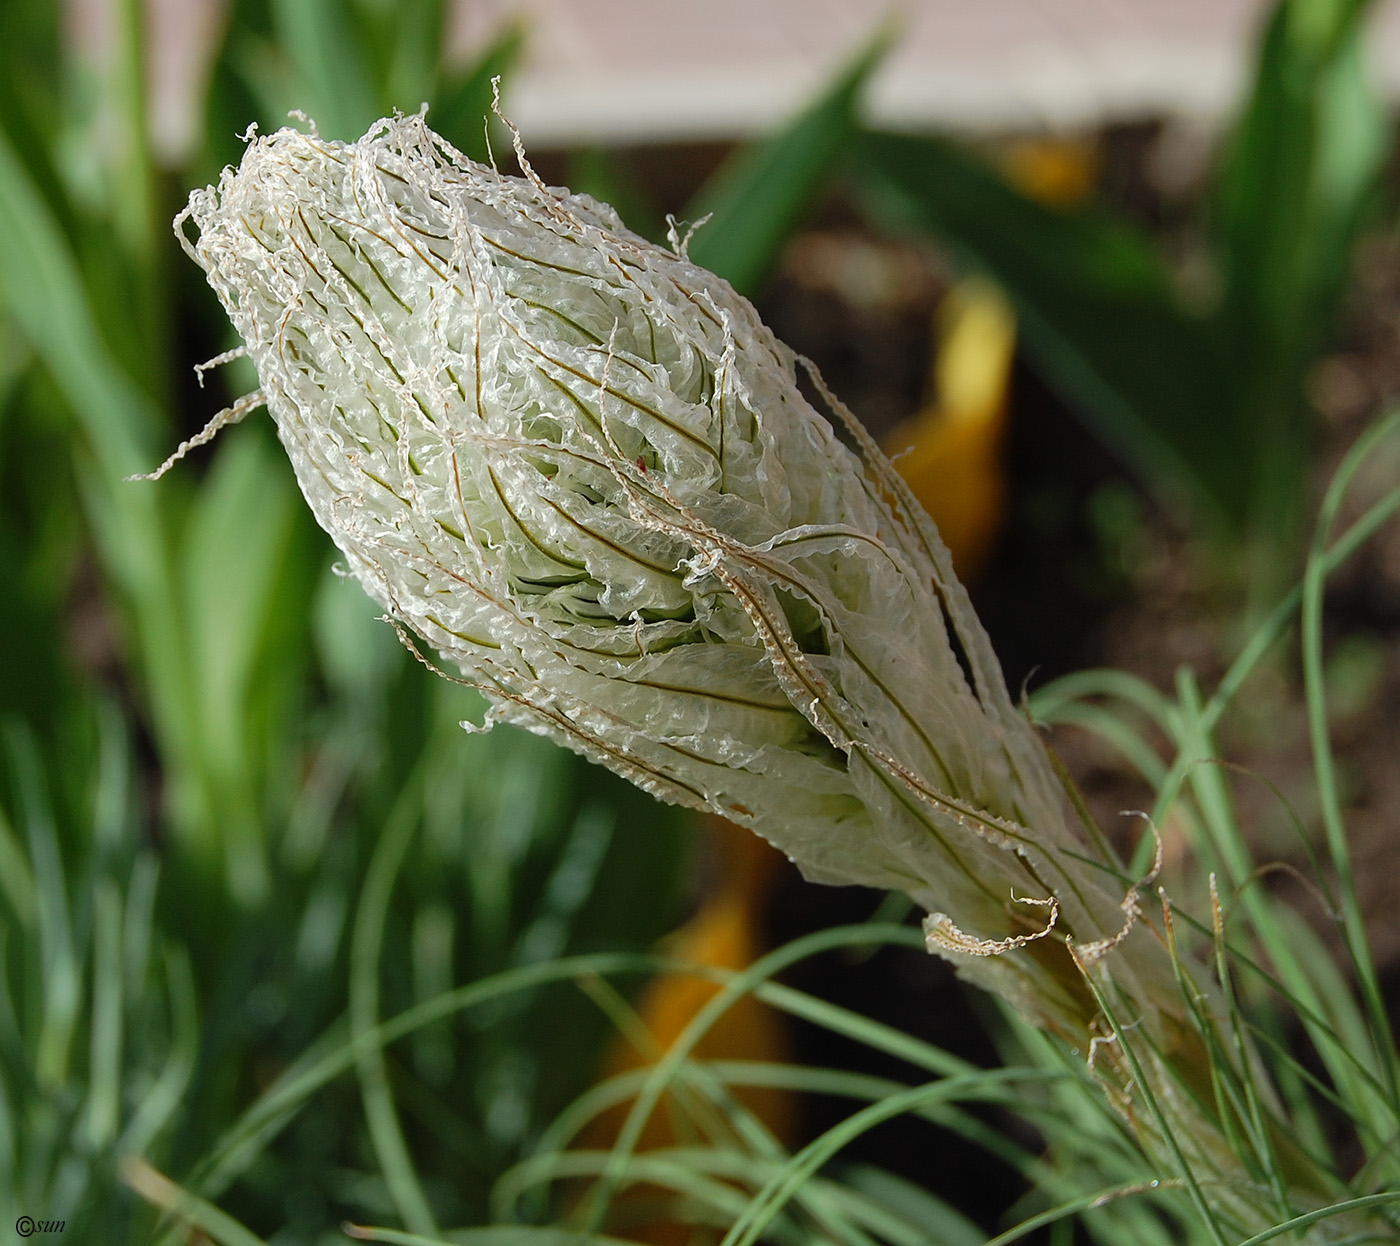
pixel 1119 282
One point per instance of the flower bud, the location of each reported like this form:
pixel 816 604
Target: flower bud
pixel 583 471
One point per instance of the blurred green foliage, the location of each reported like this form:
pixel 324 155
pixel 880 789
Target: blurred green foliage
pixel 239 826
pixel 740 219
pixel 191 900
pixel 1202 389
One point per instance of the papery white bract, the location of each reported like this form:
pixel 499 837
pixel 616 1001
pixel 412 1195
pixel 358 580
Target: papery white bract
pixel 583 471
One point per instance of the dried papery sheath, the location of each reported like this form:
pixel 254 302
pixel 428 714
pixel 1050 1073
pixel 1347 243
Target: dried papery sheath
pixel 582 470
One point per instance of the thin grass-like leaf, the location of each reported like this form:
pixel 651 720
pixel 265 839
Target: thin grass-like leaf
pixel 1073 1207
pixel 1144 1088
pixel 162 1099
pixel 489 1235
pixel 1387 1058
pixel 928 1218
pixel 1226 838
pixel 1110 727
pixel 366 944
pixel 241 534
pixel 1253 1115
pixel 1295 185
pixel 665 1069
pixel 62 994
pixel 191 1211
pixel 1389 1199
pixel 16 879
pixel 105 1056
pixel 784 1184
pixel 415 32
pixel 44 294
pixel 333 1054
pixel 1120 685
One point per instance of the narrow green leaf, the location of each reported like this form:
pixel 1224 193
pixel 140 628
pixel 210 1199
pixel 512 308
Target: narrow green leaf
pixel 598 172
pixel 1347 1207
pixel 491 1235
pixel 43 292
pixel 132 195
pixel 1297 183
pixel 1325 777
pixel 416 28
pixel 237 540
pixel 62 970
pixel 162 1099
pixel 159 1190
pixel 931 1216
pixel 749 1228
pixel 105 1059
pixel 365 952
pixel 759 195
pixel 16 878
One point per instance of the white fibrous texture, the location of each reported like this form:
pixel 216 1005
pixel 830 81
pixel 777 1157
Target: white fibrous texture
pixel 581 470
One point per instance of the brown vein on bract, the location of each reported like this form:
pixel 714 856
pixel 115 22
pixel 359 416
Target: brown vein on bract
pixel 977 653
pixel 582 407
pixel 476 340
pixel 525 531
pixel 699 306
pixel 462 502
pixel 384 484
pixel 511 613
pixel 397 222
pixel 473 640
pixel 984 685
pixel 778 572
pixel 635 404
pixel 554 311
pixel 801 586
pixel 367 259
pixel 707 694
pixel 530 259
pixel 310 263
pixel 625 760
pixel 795 664
pixel 774 640
pixel 584 333
pixel 378 350
pixel 621 550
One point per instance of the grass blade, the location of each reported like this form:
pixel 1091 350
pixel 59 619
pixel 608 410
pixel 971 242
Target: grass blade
pixel 387 1137
pixel 156 1188
pixel 1297 183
